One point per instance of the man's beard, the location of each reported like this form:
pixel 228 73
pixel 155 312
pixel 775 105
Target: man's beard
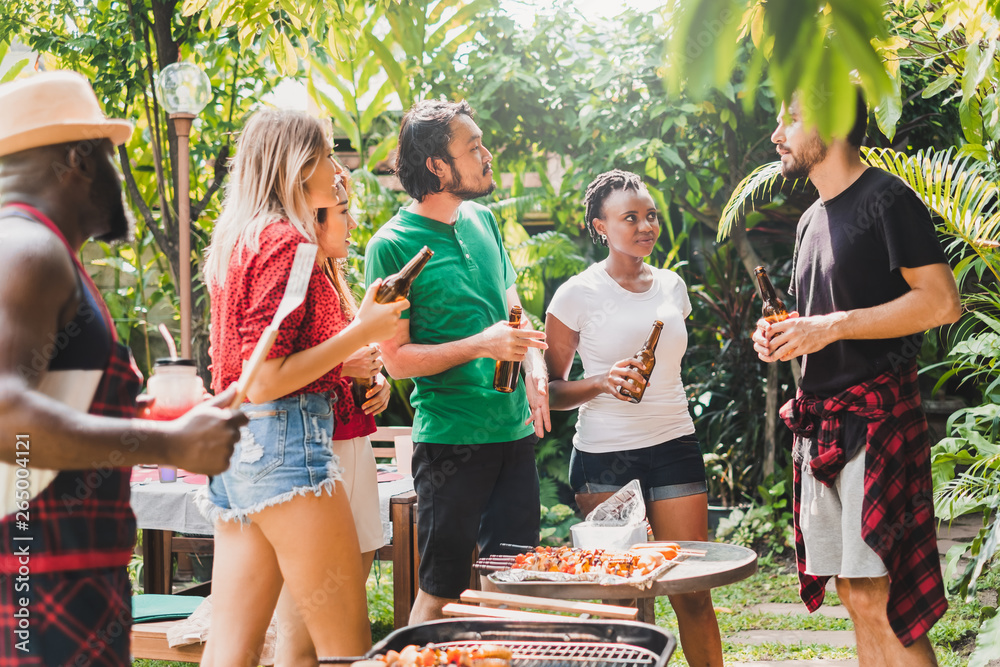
pixel 466 193
pixel 811 154
pixel 120 219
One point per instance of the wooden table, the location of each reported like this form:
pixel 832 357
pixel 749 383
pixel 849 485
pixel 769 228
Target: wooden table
pixel 722 564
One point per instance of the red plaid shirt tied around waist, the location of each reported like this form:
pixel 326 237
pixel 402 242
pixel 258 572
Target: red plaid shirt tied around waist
pixel 897 519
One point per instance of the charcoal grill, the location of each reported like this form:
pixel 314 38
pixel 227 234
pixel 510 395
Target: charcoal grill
pixel 557 643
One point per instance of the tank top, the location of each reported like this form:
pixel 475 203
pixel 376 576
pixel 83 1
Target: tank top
pixel 82 519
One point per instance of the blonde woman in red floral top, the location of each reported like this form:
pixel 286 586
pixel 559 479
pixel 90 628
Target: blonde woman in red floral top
pixel 353 447
pixel 281 513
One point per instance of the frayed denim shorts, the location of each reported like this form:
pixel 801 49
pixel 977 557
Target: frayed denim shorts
pixel 285 450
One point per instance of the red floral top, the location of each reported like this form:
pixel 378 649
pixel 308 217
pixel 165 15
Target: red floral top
pixel 245 305
pixel 359 424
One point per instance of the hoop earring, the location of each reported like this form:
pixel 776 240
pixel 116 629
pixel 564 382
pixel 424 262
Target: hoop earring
pixel 604 239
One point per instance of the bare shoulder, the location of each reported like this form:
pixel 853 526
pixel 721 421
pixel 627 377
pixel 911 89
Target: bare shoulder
pixel 36 271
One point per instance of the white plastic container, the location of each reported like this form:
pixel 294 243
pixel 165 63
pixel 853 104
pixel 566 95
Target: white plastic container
pixel 590 535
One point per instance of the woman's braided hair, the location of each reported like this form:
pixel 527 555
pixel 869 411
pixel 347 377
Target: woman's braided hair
pixel 598 191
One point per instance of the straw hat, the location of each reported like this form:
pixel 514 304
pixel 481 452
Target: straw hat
pixel 53 108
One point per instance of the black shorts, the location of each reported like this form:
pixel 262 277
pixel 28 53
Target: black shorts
pixel 469 495
pixel 672 469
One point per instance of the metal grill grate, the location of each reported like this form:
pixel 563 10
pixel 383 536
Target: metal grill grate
pixel 570 654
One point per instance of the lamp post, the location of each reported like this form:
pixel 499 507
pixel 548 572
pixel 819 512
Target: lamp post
pixel 183 90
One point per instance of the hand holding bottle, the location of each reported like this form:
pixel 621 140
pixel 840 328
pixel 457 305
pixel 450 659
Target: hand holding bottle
pixel 365 363
pixel 503 343
pixel 623 374
pixel 376 320
pixel 377 399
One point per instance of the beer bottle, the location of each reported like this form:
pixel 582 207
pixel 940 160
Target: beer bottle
pixel 646 357
pixel 397 286
pixel 393 288
pixel 774 309
pixel 506 374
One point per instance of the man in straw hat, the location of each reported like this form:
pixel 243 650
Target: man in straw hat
pixel 68 531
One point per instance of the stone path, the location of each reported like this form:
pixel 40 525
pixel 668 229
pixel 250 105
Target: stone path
pixel 961 530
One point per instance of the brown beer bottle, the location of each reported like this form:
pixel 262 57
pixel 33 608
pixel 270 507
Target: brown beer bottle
pixel 394 288
pixel 507 372
pixel 646 357
pixel 397 286
pixel 774 309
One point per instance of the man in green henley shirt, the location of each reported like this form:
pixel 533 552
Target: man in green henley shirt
pixel 473 455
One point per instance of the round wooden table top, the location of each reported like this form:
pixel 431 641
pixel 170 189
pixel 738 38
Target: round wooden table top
pixel 722 564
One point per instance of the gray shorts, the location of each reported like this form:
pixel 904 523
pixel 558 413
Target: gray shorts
pixel 830 519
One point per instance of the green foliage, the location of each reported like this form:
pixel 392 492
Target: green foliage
pixel 13 70
pixel 287 30
pixel 956 43
pixel 817 49
pixel 724 378
pixel 399 48
pixel 809 47
pixel 137 39
pixel 757 188
pixel 556 523
pixel 766 525
pixel 575 97
pixel 966 465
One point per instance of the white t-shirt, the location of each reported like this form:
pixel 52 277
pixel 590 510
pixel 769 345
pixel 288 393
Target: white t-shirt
pixel 613 323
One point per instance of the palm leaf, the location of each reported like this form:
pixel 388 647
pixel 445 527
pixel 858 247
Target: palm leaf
pixel 758 186
pixel 959 189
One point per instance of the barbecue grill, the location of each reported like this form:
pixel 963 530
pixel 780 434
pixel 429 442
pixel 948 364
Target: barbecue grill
pixel 558 643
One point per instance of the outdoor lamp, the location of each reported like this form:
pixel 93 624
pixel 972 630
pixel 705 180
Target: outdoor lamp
pixel 184 90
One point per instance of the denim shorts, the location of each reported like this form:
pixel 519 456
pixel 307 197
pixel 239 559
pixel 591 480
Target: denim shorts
pixel 285 450
pixel 672 469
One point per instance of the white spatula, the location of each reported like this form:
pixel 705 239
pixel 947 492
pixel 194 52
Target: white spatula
pixel 295 294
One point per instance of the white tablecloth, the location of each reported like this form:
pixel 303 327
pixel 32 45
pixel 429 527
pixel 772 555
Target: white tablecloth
pixel 172 506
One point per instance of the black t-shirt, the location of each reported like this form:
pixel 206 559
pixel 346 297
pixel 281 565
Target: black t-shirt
pixel 848 253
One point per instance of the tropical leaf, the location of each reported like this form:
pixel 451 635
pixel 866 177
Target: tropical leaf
pixel 759 186
pixel 13 71
pixel 546 256
pixel 987 643
pixel 959 189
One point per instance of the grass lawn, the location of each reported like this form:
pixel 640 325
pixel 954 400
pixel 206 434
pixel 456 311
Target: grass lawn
pixel 952 637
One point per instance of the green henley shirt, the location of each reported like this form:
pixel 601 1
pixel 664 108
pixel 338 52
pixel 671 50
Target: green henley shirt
pixel 461 292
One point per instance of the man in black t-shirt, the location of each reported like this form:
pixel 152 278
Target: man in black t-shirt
pixel 869 277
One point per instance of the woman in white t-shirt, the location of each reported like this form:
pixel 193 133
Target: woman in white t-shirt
pixel 605 313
